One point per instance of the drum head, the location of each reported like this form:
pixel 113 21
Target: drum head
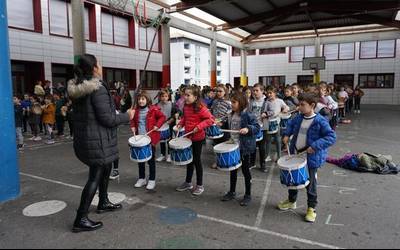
pixel 139 141
pixel 164 127
pixel 225 147
pixel 291 162
pixel 285 116
pixel 180 143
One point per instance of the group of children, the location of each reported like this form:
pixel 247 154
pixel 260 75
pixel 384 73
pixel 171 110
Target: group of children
pixel 43 114
pixel 248 111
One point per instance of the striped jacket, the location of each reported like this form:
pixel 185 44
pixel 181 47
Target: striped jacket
pixel 221 108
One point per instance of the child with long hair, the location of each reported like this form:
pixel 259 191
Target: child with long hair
pixel 196 118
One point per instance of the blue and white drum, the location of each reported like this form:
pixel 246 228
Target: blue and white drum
pixel 181 151
pixel 284 120
pixel 214 132
pixel 180 133
pixel 140 148
pixel 294 172
pixel 228 156
pixel 273 126
pixel 165 133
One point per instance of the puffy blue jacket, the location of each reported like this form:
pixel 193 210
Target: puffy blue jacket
pixel 320 137
pixel 248 144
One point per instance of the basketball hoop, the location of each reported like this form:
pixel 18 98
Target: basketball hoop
pixel 117 5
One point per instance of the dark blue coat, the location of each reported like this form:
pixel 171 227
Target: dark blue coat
pixel 248 144
pixel 320 137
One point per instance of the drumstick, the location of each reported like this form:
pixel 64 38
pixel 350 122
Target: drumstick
pixel 187 134
pixel 230 131
pixel 288 149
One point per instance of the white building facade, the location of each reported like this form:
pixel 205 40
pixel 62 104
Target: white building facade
pixel 375 65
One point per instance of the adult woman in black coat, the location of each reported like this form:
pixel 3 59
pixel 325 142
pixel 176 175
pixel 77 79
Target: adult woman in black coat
pixel 95 136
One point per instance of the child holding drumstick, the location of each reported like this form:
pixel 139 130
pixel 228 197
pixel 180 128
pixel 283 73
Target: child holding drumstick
pixel 148 118
pixel 196 118
pixel 248 127
pixel 312 134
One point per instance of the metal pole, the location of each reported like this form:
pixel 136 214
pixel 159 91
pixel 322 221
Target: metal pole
pixel 317 73
pixel 78 28
pixel 243 76
pixel 9 173
pixel 166 56
pixel 213 59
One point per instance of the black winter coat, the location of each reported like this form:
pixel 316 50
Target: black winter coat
pixel 95 122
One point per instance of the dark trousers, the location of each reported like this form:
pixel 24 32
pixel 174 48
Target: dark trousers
pixel 312 195
pixel 357 102
pixel 25 123
pixel 261 147
pixel 246 173
pixel 342 113
pixel 115 165
pixel 197 148
pixel 163 147
pixel 71 127
pixel 34 129
pixel 60 121
pixel 152 166
pixel 98 178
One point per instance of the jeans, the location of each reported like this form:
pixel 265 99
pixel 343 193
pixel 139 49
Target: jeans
pixel 278 143
pixel 311 190
pixel 49 129
pixel 20 137
pixel 246 173
pixel 197 148
pixel 152 166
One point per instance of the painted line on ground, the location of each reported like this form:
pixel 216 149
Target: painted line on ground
pixel 264 200
pixel 328 222
pixel 230 223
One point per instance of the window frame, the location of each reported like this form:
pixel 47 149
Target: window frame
pixel 148 45
pixel 37 18
pixel 304 53
pixel 131 28
pixel 376 76
pixel 273 51
pixel 152 71
pixel 377 50
pixel 338 52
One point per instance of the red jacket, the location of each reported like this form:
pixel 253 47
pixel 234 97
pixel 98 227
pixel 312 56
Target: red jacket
pixel 154 118
pixel 191 119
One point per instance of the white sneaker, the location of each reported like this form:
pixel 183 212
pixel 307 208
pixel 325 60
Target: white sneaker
pixel 161 158
pixel 50 142
pixel 33 138
pixel 268 159
pixel 151 185
pixel 169 158
pixel 38 138
pixel 141 183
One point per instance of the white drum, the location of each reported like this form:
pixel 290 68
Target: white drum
pixel 140 148
pixel 228 156
pixel 294 172
pixel 181 151
pixel 165 133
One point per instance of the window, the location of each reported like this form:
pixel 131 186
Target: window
pixel 236 51
pixel 187 70
pixel 111 75
pixel 218 53
pixel 272 51
pixel 305 80
pixel 298 53
pixel 373 81
pixel 146 36
pixel 378 49
pixel 342 80
pixel 252 52
pixel 276 81
pixel 343 51
pixel 60 19
pixel 28 17
pixel 187 46
pixel 152 79
pixel 62 73
pixel 117 30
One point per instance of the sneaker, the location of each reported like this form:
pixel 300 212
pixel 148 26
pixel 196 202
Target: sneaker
pixel 184 187
pixel 50 142
pixel 263 169
pixel 20 146
pixel 252 167
pixel 214 166
pixel 38 138
pixel 151 185
pixel 246 201
pixel 141 183
pixel 169 158
pixel 311 215
pixel 268 159
pixel 161 158
pixel 114 174
pixel 228 196
pixel 286 205
pixel 33 138
pixel 199 190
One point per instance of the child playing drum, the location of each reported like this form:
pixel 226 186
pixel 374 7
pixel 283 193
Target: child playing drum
pixel 196 118
pixel 312 134
pixel 148 118
pixel 248 127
